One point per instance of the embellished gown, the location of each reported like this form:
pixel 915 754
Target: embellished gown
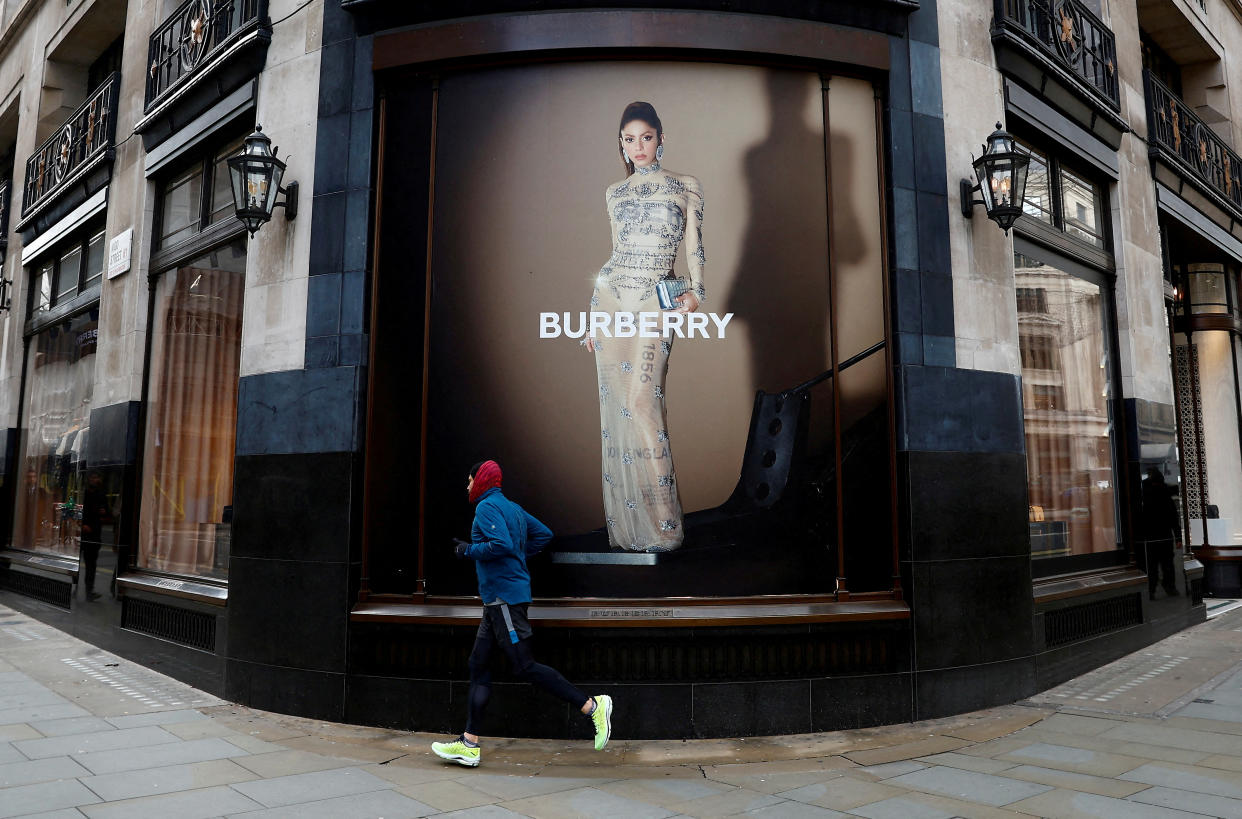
pixel 651 212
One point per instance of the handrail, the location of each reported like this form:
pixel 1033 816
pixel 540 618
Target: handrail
pixel 86 134
pixel 829 373
pixel 1176 132
pixel 190 36
pixel 1067 32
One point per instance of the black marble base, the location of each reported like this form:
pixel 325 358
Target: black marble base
pixel 642 711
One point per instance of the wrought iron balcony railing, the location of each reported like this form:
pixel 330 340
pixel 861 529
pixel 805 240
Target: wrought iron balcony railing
pixel 85 136
pixel 1190 146
pixel 1066 32
pixel 192 35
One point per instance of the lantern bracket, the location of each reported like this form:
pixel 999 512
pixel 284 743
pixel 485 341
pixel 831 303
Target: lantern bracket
pixel 968 197
pixel 290 202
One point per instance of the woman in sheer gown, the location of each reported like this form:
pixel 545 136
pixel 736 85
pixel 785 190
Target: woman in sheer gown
pixel 651 211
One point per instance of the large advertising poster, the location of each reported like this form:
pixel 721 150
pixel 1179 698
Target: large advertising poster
pixel 635 442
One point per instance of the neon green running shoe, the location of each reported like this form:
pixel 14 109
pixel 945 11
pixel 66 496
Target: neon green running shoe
pixel 457 751
pixel 602 717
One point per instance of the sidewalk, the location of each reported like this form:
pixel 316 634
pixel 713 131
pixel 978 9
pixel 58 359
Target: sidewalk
pixel 1155 734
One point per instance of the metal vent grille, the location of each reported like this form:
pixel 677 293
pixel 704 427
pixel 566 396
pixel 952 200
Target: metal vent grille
pixel 47 589
pixel 1069 625
pixel 1196 591
pixel 190 628
pixel 663 655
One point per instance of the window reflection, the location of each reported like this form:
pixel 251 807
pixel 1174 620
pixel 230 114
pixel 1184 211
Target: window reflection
pixel 1037 201
pixel 61 366
pixel 188 463
pixel 1065 391
pixel 1081 202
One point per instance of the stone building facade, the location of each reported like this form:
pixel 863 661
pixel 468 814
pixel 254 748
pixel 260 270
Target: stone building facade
pixel 918 472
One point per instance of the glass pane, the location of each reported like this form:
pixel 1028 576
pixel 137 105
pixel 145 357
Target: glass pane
pixel 61 368
pixel 1037 201
pixel 1082 202
pixel 67 273
pixel 1208 293
pixel 94 260
pixel 188 485
pixel 1065 390
pixel 182 200
pixel 221 188
pixel 41 288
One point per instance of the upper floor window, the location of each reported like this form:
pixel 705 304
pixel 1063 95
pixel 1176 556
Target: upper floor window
pixel 197 197
pixel 74 266
pixel 1064 199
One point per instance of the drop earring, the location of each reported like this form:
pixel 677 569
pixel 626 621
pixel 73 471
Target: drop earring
pixel 660 152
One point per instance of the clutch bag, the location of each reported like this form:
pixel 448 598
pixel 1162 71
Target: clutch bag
pixel 667 290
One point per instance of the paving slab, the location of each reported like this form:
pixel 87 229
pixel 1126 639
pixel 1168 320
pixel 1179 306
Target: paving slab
pixel 952 759
pixel 774 777
pixel 507 788
pixel 909 750
pixel 1188 778
pixel 739 800
pixel 163 718
pixel 10 754
pixel 179 752
pixel 929 806
pixel 39 770
pixel 970 786
pixel 665 791
pixel 1072 781
pixel 1063 804
pixel 1079 760
pixel 95 741
pixel 1205 742
pixel 45 796
pixel 310 787
pixel 150 782
pixel 485 812
pixel 797 810
pixel 386 804
pixel 72 725
pixel 1204 803
pixel 448 795
pixel 289 762
pixel 1225 763
pixel 587 803
pixel 19 730
pixel 35 713
pixel 842 793
pixel 889 769
pixel 197 804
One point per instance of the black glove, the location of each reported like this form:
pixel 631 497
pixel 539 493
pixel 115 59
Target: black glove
pixel 460 546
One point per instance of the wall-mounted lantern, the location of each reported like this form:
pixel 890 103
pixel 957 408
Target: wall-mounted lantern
pixel 1001 172
pixel 256 175
pixel 6 294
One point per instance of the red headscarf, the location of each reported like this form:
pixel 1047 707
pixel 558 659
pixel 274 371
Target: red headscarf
pixel 487 477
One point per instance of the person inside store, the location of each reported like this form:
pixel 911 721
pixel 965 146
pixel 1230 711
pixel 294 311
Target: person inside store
pixel 502 537
pixel 1158 533
pixel 95 513
pixel 651 211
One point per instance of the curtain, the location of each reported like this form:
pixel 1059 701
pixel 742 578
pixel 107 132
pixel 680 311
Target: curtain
pixel 188 464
